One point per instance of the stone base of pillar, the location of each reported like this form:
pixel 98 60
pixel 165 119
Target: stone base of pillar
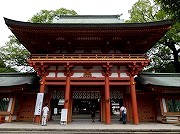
pixel 37 119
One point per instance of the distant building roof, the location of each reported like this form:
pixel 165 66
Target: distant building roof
pixel 14 79
pixel 88 19
pixel 159 79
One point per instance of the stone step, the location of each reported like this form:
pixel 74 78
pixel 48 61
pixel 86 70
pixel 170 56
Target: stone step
pixel 89 132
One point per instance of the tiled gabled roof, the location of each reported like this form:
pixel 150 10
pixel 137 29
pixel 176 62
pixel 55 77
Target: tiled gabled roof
pixel 159 79
pixel 14 79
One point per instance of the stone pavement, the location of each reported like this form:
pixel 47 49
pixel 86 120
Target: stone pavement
pixel 86 126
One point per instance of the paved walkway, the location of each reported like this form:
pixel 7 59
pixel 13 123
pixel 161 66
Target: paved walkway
pixel 89 126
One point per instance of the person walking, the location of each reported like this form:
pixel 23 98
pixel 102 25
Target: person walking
pixel 93 113
pixel 123 112
pixel 45 111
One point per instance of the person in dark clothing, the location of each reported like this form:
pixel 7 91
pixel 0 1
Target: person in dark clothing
pixel 93 113
pixel 123 112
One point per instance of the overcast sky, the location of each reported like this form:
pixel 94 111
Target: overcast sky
pixel 23 10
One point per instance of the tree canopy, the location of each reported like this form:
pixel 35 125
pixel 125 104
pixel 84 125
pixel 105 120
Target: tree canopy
pixel 164 55
pixel 171 7
pixel 4 68
pixel 14 54
pixel 46 16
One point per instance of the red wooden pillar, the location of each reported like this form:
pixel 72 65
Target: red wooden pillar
pixel 42 87
pixel 70 112
pixel 70 108
pixel 37 118
pixel 67 93
pixel 107 100
pixel 102 107
pixel 134 101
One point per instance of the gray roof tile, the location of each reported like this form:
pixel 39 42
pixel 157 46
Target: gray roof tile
pixel 12 79
pixel 88 19
pixel 160 79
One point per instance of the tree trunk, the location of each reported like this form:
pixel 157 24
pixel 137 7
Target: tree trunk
pixel 177 66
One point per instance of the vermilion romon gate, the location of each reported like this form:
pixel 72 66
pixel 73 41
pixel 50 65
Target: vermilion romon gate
pixel 98 51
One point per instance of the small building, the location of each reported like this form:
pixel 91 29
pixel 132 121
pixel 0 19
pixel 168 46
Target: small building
pixel 162 90
pixel 17 93
pixel 88 60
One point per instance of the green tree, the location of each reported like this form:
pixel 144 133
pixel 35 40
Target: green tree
pixel 46 16
pixel 14 53
pixel 171 7
pixel 4 68
pixel 164 55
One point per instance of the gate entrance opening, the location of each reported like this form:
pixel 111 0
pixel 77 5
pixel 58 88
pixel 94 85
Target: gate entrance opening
pixel 83 106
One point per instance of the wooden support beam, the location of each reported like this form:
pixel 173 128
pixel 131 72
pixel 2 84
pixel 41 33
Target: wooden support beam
pixel 134 101
pixel 107 101
pixel 87 83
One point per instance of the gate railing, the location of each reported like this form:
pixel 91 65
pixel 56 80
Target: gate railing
pixel 87 56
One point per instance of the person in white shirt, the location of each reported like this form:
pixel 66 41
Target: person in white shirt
pixel 123 112
pixel 45 111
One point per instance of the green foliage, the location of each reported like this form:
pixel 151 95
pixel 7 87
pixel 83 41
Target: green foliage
pixel 146 11
pixel 14 53
pixel 166 52
pixel 4 68
pixel 46 16
pixel 171 7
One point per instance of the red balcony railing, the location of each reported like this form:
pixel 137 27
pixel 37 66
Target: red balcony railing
pixel 87 56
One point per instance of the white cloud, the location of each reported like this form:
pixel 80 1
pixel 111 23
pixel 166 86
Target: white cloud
pixel 23 10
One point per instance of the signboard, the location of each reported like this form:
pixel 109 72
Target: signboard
pixel 55 111
pixel 63 116
pixel 39 102
pixel 164 105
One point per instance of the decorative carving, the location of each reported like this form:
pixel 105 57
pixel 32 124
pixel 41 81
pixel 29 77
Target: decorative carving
pixel 107 72
pixel 135 68
pixel 87 74
pixel 68 72
pixel 41 69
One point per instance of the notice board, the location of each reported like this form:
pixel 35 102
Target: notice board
pixel 39 103
pixel 63 116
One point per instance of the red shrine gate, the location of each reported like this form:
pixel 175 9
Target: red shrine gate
pixel 105 71
pixel 89 51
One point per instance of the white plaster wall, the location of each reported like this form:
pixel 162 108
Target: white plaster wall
pixel 123 75
pixel 78 75
pixel 114 75
pixel 51 74
pixel 96 74
pixel 60 75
